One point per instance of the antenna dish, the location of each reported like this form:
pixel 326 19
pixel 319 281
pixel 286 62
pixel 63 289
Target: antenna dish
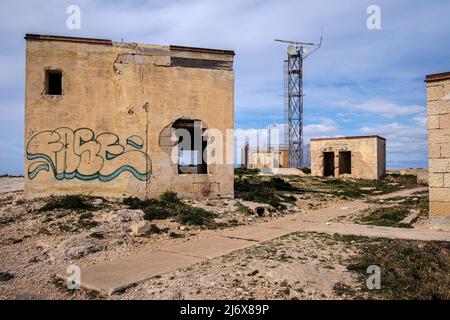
pixel 292 49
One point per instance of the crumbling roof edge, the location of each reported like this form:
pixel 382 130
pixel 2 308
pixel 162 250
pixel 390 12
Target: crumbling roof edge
pixel 45 37
pixel 437 77
pixel 348 138
pixel 201 50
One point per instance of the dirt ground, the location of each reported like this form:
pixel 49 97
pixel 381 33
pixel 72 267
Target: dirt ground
pixel 38 244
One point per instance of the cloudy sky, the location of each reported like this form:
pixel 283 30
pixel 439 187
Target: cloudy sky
pixel 360 82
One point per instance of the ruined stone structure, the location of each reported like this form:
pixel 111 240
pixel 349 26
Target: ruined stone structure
pixel 101 118
pixel 438 97
pixel 361 157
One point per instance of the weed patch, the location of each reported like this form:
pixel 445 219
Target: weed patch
pixel 391 216
pixel 341 289
pixel 409 269
pixel 265 191
pixel 169 206
pixel 69 202
pixel 244 171
pixel 6 276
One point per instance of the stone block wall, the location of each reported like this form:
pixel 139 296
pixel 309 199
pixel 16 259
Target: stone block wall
pixel 438 103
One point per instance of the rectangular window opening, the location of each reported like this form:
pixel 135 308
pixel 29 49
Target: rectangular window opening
pixel 53 81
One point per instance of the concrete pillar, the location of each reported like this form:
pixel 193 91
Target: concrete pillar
pixel 438 102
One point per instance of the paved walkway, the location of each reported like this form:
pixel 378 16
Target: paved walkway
pixel 117 274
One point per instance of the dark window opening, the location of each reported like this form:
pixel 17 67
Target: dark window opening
pixel 191 147
pixel 328 164
pixel 345 162
pixel 53 80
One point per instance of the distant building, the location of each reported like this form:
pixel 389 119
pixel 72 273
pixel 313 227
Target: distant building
pixel 361 157
pixel 276 157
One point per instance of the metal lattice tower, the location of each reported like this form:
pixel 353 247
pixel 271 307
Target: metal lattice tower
pixel 295 109
pixel 293 90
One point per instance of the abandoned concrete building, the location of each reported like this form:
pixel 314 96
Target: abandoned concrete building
pixel 101 118
pixel 360 157
pixel 438 101
pixel 254 158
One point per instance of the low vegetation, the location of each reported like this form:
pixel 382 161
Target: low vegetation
pixel 244 171
pixel 6 175
pixel 270 191
pixel 6 276
pixel 398 209
pixel 409 269
pixel 358 188
pixel 386 217
pixel 168 205
pixel 69 202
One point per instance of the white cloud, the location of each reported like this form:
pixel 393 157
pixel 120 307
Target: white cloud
pixel 421 120
pixel 325 127
pixel 385 108
pixel 405 143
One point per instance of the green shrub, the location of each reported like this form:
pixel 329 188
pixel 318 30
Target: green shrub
pixel 169 197
pixel 69 202
pixel 175 235
pixel 244 171
pixel 169 206
pixel 409 269
pixel 195 216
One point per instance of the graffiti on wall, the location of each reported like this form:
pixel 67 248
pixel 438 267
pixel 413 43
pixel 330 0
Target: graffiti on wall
pixel 81 154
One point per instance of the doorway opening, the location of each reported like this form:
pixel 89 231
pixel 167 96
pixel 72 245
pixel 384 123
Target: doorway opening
pixel 328 164
pixel 345 162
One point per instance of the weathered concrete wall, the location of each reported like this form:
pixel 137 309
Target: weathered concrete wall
pixel 438 97
pixel 368 155
pixel 107 133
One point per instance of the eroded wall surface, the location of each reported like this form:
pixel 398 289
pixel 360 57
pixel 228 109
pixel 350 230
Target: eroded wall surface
pixel 368 156
pixel 107 133
pixel 438 97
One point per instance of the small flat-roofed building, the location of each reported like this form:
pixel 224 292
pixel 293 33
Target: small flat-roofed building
pixel 360 157
pixel 277 157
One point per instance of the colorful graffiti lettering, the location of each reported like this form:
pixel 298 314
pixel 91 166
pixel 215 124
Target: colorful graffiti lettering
pixel 83 155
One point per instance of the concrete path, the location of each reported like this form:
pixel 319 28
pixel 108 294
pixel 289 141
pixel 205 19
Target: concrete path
pixel 121 273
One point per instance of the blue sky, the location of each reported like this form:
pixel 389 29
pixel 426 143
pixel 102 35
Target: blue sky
pixel 360 82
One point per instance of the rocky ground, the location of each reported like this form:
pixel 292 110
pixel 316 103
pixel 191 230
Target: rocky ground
pixel 297 266
pixel 40 238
